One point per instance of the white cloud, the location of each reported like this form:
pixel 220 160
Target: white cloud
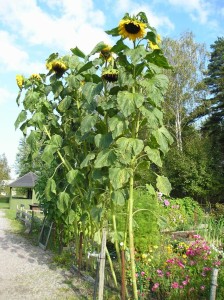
pixel 62 29
pixel 199 10
pixel 13 58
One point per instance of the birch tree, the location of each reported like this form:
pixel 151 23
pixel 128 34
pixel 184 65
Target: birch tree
pixel 185 91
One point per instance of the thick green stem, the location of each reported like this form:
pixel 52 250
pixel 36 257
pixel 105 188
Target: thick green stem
pixel 116 241
pixel 131 237
pixel 111 267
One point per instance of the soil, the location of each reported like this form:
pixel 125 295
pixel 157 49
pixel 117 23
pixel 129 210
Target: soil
pixel 28 273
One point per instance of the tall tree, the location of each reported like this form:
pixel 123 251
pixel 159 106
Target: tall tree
pixel 215 83
pixel 185 91
pixel 4 168
pixel 214 124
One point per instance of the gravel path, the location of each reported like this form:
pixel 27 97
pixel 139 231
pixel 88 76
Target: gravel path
pixel 26 271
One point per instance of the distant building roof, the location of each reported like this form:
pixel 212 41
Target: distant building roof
pixel 27 181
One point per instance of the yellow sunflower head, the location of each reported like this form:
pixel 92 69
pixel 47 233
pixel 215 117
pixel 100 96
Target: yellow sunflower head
pixel 105 53
pixel 35 77
pixel 110 75
pixel 153 45
pixel 132 29
pixel 56 66
pixel 20 81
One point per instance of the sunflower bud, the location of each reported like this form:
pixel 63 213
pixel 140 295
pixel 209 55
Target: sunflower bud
pixel 19 81
pixel 35 77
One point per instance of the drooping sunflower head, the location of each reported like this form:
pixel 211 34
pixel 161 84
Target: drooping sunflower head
pixel 132 28
pixel 35 77
pixel 110 75
pixel 57 66
pixel 20 81
pixel 105 53
pixel 155 45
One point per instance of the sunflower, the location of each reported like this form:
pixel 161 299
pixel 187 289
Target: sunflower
pixel 57 66
pixel 19 81
pixel 106 53
pixel 132 29
pixel 110 75
pixel 35 77
pixel 153 45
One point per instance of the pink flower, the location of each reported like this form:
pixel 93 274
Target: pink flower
pixel 155 286
pixel 160 273
pixel 142 273
pixel 166 202
pixel 175 285
pixel 168 274
pixel 202 287
pixel 180 264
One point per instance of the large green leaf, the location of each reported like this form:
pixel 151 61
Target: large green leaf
pixel 103 140
pixel 118 177
pixel 74 176
pixel 154 155
pixel 88 123
pixel 63 201
pixel 118 197
pixel 117 125
pixel 56 140
pixel 163 139
pixel 78 52
pixel 48 154
pixel 130 145
pixel 163 185
pixel 65 104
pixel 155 87
pixel 21 118
pixel 97 48
pixel 50 188
pixel 39 118
pixel 128 102
pixel 151 189
pixel 105 158
pixel 86 67
pixel 96 213
pixel 90 90
pixel 137 54
pixel 87 159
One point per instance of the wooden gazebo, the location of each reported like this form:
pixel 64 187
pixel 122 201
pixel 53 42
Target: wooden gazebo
pixel 27 181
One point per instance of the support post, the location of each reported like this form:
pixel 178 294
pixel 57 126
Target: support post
pixel 102 257
pixel 213 284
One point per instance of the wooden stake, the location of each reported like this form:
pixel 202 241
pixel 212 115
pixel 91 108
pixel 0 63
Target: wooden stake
pixel 102 264
pixel 213 284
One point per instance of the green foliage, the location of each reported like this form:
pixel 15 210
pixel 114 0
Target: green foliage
pixel 147 211
pixel 88 129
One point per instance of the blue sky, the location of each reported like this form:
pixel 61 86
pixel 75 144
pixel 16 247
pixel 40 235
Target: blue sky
pixel 30 30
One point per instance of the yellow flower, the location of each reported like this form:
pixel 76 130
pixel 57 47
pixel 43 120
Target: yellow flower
pixel 132 29
pixel 144 255
pixel 153 45
pixel 19 81
pixel 57 66
pixel 35 77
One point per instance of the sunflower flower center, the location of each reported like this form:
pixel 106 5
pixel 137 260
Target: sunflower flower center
pixel 132 28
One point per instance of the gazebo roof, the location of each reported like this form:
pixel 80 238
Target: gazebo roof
pixel 26 181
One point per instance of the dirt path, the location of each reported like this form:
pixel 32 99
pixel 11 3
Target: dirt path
pixel 26 271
